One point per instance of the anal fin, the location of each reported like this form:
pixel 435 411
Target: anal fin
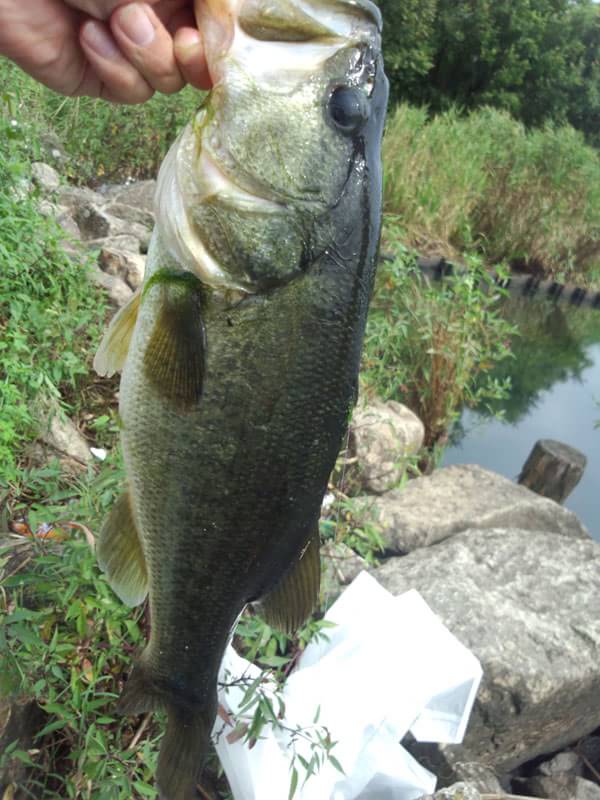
pixel 114 347
pixel 120 555
pixel 294 598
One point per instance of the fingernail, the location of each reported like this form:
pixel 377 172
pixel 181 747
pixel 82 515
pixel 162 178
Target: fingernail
pixel 188 38
pixel 136 25
pixel 95 36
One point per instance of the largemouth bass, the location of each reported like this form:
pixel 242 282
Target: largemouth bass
pixel 240 355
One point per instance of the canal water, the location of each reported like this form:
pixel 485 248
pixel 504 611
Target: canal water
pixel 555 394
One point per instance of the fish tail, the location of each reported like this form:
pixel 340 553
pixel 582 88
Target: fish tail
pixel 184 751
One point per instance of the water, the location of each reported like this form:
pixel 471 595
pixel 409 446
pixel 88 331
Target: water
pixel 555 395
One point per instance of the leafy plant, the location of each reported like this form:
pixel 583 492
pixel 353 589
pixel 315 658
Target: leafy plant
pixel 427 346
pixel 482 184
pixel 50 316
pixel 84 128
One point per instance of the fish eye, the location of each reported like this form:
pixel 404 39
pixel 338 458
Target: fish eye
pixel 349 108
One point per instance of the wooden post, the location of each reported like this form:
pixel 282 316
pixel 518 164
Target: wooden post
pixel 553 469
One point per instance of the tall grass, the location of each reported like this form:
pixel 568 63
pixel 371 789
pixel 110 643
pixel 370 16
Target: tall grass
pixel 104 142
pixel 50 316
pixel 484 183
pixel 433 347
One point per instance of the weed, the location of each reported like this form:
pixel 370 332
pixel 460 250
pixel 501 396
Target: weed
pixel 482 183
pixel 428 346
pixel 84 127
pixel 50 316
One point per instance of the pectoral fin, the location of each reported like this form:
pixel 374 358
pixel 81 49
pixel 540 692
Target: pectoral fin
pixel 120 555
pixel 292 601
pixel 174 361
pixel 114 347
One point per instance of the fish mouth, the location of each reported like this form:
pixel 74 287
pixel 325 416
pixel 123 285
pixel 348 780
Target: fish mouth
pixel 207 187
pixel 314 28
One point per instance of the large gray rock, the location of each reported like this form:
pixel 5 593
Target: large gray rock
pixel 118 291
pixel 433 508
pixel 60 433
pixel 480 776
pixel 459 791
pixel 96 223
pixel 130 267
pixel 45 176
pixel 77 196
pixel 383 436
pixel 140 195
pixel 527 603
pixel 557 779
pixel 131 214
pixel 123 242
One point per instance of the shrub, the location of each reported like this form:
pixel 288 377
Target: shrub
pixel 483 183
pixel 428 346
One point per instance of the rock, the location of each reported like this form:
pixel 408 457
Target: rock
pixel 140 195
pixel 53 148
pixel 589 749
pixel 122 242
pixel 586 790
pixel 20 719
pixel 565 763
pixel 68 224
pixel 382 437
pixel 557 779
pixel 480 776
pixel 76 196
pixel 340 566
pixel 460 791
pixel 59 432
pixel 118 291
pixel 128 266
pixel 95 223
pixel 527 603
pixel 430 509
pixel 563 787
pixel 48 209
pixel 45 176
pixel 131 214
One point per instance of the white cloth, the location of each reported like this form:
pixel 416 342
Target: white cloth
pixel 388 666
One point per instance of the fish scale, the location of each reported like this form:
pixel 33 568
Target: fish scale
pixel 238 380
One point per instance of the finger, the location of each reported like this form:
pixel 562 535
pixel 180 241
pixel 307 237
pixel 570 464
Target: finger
pixel 122 83
pixel 146 44
pixel 100 9
pixel 189 52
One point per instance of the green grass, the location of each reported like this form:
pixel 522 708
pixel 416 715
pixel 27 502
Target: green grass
pixel 104 142
pixel 50 316
pixel 430 346
pixel 483 184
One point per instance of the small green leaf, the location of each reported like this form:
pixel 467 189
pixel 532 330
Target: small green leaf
pixel 293 783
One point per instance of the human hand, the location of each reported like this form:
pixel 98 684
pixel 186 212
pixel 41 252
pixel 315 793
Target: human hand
pixel 113 49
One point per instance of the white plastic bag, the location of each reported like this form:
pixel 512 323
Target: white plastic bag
pixel 388 666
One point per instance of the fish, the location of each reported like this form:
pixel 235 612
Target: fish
pixel 240 353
